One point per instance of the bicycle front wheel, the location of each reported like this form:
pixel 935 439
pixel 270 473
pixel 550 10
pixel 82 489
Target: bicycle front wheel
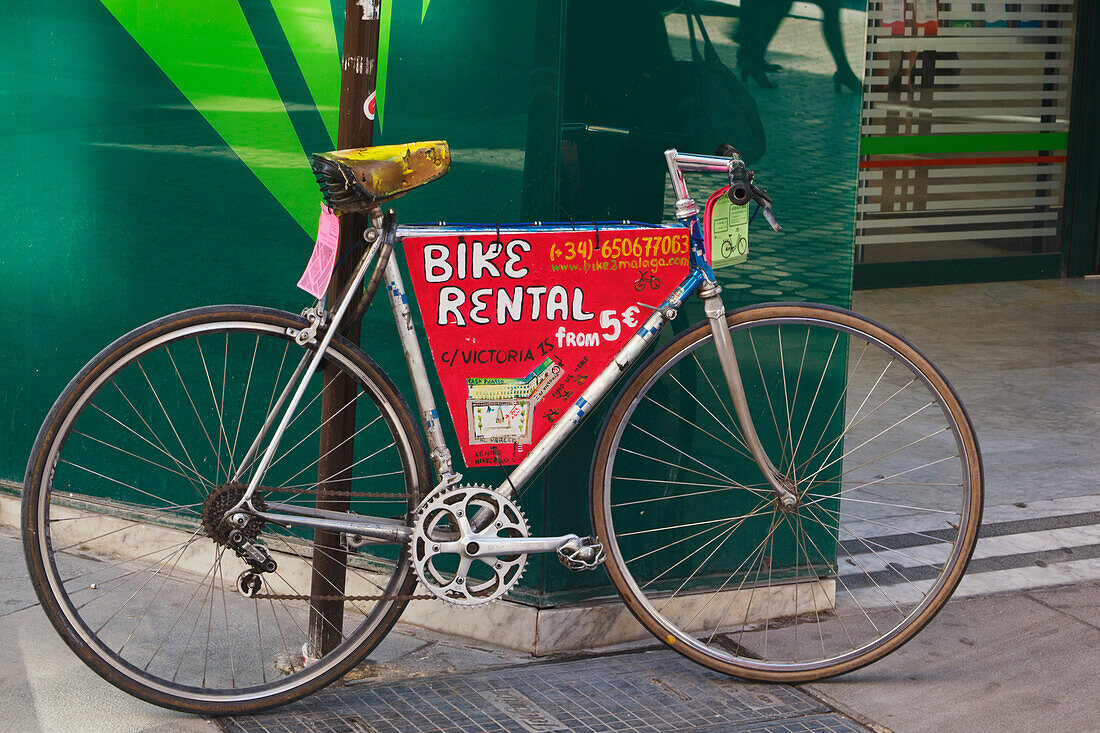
pixel 869 437
pixel 140 458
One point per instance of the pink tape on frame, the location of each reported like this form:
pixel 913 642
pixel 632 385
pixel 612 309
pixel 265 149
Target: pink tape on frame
pixel 319 269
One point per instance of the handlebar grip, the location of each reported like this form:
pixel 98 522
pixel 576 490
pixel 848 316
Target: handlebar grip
pixel 740 189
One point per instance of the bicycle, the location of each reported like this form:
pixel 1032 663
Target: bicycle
pixel 729 249
pixel 785 492
pixel 645 277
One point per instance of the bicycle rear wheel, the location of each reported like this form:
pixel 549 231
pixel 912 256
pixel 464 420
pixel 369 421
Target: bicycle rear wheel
pixel 871 439
pixel 136 463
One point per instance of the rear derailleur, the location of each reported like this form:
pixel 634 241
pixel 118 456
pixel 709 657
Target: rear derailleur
pixel 259 560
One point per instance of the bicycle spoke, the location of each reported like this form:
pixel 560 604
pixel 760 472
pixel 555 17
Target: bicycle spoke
pixel 697 401
pixel 191 477
pixel 302 410
pixel 160 590
pixel 728 534
pixel 685 525
pixel 767 392
pixel 898 450
pixel 163 447
pixel 171 425
pixel 108 533
pixel 747 561
pixel 740 438
pixel 222 437
pixel 823 466
pixel 244 400
pixel 665 443
pixel 648 457
pixel 228 634
pixel 678 416
pixel 719 537
pixel 131 454
pixel 786 402
pixel 854 422
pixel 177 554
pixel 317 430
pixel 342 443
pixel 194 407
pixel 817 391
pixel 761 492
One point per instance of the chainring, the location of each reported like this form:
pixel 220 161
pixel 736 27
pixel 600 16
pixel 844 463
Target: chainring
pixel 441 525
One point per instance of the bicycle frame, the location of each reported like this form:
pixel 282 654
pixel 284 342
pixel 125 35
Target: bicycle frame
pixel 700 279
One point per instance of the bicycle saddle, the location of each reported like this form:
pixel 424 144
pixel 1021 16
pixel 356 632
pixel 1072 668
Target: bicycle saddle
pixel 360 178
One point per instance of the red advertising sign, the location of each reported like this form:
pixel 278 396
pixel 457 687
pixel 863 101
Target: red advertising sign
pixel 520 319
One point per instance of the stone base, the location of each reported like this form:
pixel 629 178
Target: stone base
pixel 9 505
pixel 605 622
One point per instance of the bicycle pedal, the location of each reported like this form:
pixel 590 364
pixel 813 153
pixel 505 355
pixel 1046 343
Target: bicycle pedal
pixel 582 553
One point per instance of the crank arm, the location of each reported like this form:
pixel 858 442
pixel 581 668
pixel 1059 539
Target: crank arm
pixel 492 546
pixel 377 528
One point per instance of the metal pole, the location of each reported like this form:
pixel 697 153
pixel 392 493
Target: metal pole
pixel 357 83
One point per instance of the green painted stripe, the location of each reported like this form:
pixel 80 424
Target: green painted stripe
pixel 383 60
pixel 995 143
pixel 207 49
pixel 310 31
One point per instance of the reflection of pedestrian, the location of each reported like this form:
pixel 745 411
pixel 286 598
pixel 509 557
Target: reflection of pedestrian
pixel 834 39
pixel 760 19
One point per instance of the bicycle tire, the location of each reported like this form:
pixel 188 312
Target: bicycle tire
pixel 700 548
pixel 121 477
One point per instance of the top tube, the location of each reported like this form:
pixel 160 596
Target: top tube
pixel 556 226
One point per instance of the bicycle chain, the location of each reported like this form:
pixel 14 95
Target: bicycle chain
pixel 396 597
pixel 383 597
pixel 336 492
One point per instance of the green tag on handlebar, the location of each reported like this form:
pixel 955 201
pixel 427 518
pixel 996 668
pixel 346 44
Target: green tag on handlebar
pixel 725 230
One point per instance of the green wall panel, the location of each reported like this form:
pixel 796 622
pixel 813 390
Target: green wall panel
pixel 155 160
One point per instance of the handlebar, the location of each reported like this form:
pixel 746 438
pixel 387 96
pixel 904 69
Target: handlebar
pixel 728 161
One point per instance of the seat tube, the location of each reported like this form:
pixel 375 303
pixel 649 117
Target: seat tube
pixel 414 358
pixel 715 311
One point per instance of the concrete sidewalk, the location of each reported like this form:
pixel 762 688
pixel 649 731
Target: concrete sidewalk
pixel 43 686
pixel 1005 662
pixel 1015 651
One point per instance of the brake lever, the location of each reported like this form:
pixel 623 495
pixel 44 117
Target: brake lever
pixel 764 201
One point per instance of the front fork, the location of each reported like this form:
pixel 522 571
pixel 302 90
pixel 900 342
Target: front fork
pixel 715 311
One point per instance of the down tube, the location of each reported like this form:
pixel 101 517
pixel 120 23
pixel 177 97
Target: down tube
pixel 599 387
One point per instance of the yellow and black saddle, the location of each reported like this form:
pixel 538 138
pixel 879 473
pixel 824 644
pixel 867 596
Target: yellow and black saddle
pixel 359 179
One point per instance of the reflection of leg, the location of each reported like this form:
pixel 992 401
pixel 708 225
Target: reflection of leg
pixel 834 39
pixel 777 11
pixel 749 52
pixel 760 20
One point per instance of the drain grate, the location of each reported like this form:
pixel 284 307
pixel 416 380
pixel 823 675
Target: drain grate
pixel 656 692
